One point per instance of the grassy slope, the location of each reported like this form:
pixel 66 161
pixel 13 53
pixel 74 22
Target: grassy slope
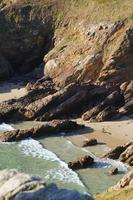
pixel 124 194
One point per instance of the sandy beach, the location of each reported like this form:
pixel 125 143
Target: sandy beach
pixel 113 133
pixel 11 91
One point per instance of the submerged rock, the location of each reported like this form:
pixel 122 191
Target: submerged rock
pixel 52 127
pixel 83 162
pixel 113 171
pixel 19 186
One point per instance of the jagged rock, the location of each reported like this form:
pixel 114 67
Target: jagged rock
pixel 127 88
pixel 123 153
pixel 90 142
pixel 70 100
pixel 113 171
pixel 48 128
pixel 107 114
pixel 106 109
pixel 12 110
pixel 20 186
pixel 83 162
pixel 127 109
pixel 125 182
pixel 127 155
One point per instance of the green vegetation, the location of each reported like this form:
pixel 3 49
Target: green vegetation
pixel 117 195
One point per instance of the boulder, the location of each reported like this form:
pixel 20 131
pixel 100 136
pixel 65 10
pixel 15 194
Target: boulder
pixel 81 163
pixel 44 130
pixel 90 142
pixel 19 186
pixel 13 182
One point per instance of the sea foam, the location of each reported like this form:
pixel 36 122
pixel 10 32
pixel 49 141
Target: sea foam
pixel 6 127
pixel 31 147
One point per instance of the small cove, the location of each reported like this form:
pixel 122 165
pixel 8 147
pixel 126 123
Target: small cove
pixel 47 158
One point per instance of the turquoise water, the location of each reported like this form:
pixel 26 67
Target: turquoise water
pixel 47 158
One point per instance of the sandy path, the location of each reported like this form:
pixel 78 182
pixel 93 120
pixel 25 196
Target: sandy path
pixel 112 133
pixel 11 91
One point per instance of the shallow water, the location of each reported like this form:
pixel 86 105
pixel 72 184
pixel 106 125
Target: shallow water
pixel 48 159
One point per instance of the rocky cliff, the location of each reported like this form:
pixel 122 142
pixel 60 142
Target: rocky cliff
pixel 86 42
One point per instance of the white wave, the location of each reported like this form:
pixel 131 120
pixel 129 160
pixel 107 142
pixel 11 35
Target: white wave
pixel 63 173
pixel 107 163
pixel 6 127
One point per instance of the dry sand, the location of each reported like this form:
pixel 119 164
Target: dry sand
pixel 112 133
pixel 11 91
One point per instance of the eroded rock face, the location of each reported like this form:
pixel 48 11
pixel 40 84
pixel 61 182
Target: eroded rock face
pixel 19 186
pixel 83 162
pixel 123 153
pixel 106 109
pixel 47 129
pixel 102 55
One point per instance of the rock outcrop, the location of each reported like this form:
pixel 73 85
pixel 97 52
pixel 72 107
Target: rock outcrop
pixel 81 163
pixel 44 130
pixel 123 153
pixel 29 32
pixel 123 190
pixel 100 53
pixel 19 186
pixel 126 181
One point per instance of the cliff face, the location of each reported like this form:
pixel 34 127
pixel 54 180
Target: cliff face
pixel 26 35
pixel 100 53
pixel 86 41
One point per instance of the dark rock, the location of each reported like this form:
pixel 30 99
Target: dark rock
pixel 83 162
pixel 127 109
pixel 106 109
pixel 113 171
pixel 52 127
pixel 115 153
pixel 90 142
pixel 5 69
pixel 107 114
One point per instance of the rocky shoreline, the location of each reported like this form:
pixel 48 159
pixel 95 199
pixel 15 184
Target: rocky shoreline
pixel 77 69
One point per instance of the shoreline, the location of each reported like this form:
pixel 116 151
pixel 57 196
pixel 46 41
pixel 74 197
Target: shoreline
pixel 112 133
